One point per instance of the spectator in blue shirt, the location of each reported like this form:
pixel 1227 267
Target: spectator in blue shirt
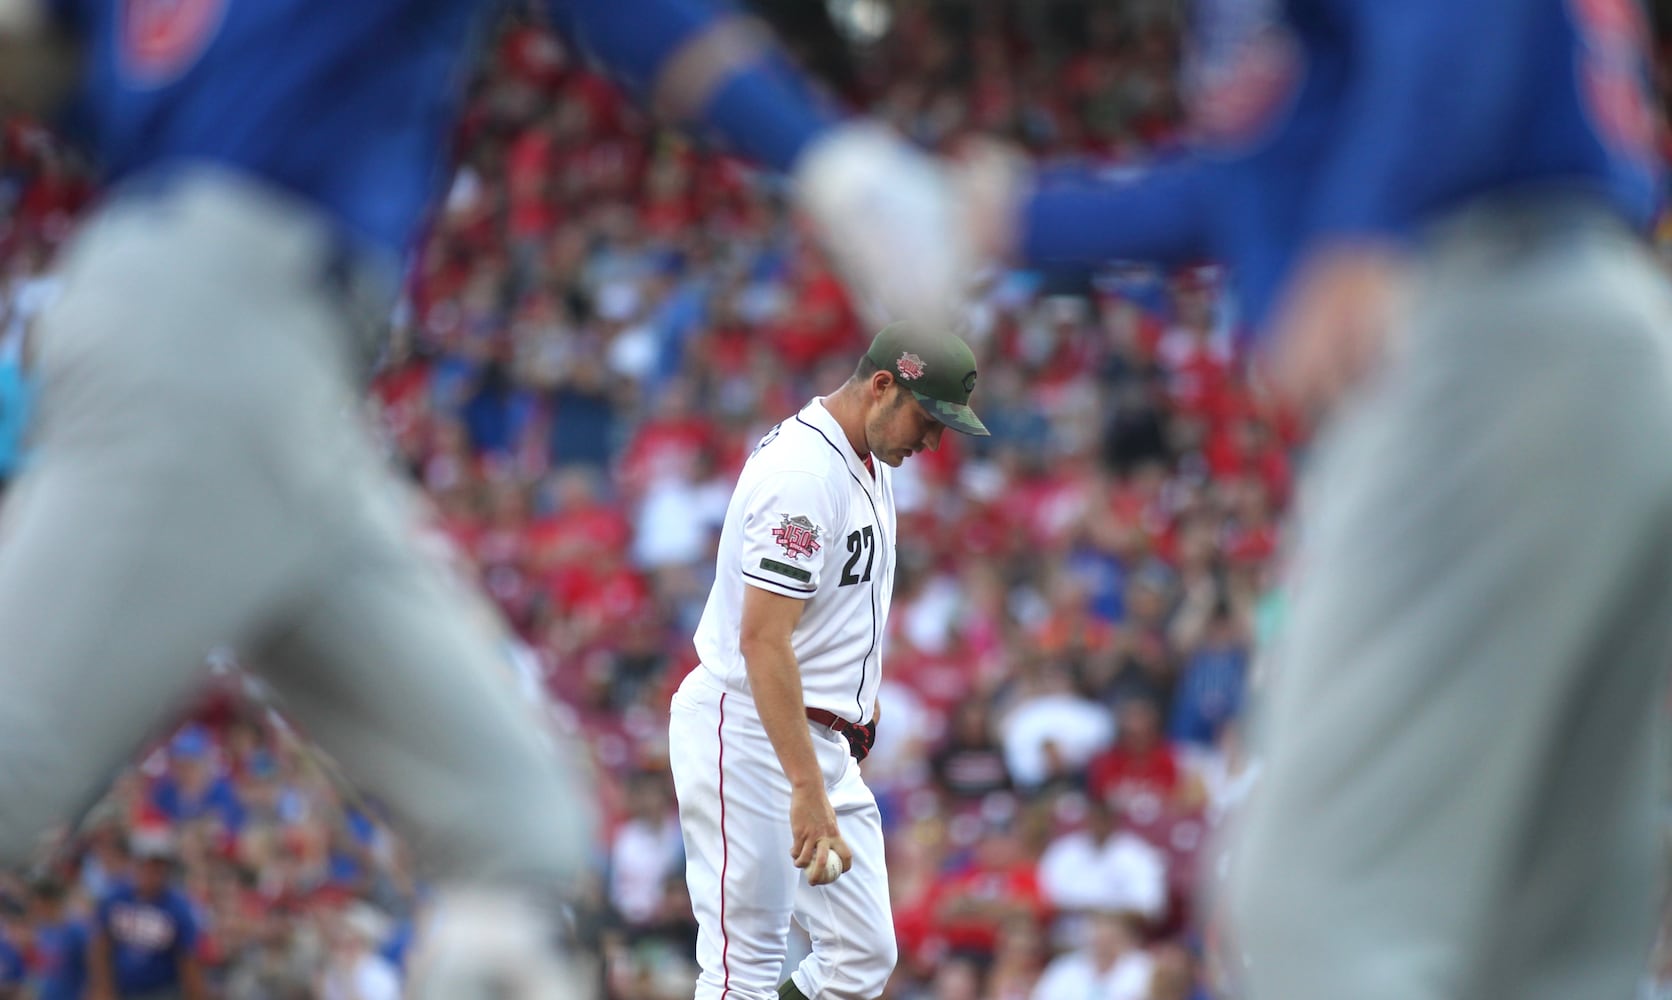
pixel 11 951
pixel 194 787
pixel 1210 687
pixel 58 955
pixel 145 933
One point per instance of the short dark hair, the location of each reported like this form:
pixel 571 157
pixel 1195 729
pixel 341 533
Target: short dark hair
pixel 866 368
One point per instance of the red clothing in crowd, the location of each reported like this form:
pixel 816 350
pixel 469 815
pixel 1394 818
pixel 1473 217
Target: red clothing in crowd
pixel 662 443
pixel 991 895
pixel 1046 506
pixel 402 395
pixel 534 56
pixel 605 595
pixel 53 196
pixel 528 171
pixel 575 536
pixel 1250 544
pixel 1120 775
pixel 818 325
pixel 940 680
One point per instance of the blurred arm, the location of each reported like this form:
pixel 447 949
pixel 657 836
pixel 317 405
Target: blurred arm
pixel 101 978
pixel 1160 215
pixel 1430 95
pixel 700 63
pixel 193 985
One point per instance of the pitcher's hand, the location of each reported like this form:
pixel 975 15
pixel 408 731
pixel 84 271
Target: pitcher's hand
pixel 813 827
pixel 1332 326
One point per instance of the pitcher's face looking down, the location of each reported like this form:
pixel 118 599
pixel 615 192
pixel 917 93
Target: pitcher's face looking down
pixel 899 427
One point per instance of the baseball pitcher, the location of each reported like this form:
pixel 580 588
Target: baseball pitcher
pixel 767 732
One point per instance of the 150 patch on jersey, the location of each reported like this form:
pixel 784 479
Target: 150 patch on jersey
pixel 161 39
pixel 798 536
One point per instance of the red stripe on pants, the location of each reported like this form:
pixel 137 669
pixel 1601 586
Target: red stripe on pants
pixel 725 853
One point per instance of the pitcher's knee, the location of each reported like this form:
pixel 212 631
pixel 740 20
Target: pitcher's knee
pixel 878 965
pixel 861 967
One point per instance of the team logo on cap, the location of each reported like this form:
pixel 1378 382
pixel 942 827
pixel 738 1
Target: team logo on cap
pixel 969 382
pixel 910 366
pixel 798 536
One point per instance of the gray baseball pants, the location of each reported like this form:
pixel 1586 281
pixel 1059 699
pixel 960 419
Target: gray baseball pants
pixel 1462 733
pixel 201 475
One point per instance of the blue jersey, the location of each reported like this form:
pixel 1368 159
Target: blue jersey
pixel 58 961
pixel 148 937
pixel 347 103
pixel 1316 120
pixel 12 969
pixel 219 798
pixel 1210 693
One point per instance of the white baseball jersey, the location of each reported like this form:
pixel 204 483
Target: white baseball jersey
pixel 808 520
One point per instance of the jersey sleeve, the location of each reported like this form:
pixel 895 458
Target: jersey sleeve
pixel 785 525
pixel 762 106
pixel 1161 215
pixel 1425 107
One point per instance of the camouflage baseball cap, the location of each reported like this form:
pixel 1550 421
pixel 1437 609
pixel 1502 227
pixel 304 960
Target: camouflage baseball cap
pixel 938 368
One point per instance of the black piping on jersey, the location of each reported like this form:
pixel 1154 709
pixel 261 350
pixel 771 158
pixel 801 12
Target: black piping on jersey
pixel 775 583
pixel 858 707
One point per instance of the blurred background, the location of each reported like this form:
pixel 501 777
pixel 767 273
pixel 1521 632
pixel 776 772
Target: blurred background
pixel 604 319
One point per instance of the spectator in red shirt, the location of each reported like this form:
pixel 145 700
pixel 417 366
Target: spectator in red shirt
pixel 970 908
pixel 674 438
pixel 528 170
pixel 596 599
pixel 1251 534
pixel 1141 770
pixel 581 523
pixel 51 199
pixel 818 323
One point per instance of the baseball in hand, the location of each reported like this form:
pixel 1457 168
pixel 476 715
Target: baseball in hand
pixel 832 868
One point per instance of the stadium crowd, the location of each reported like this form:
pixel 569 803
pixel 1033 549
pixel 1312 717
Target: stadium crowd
pixel 604 319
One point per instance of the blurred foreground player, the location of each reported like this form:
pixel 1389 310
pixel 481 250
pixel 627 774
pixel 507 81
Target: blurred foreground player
pixel 200 475
pixel 1434 209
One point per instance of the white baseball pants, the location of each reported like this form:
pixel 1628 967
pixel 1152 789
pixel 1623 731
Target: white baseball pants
pixel 734 807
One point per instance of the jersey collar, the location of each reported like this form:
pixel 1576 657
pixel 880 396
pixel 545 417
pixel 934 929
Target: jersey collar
pixel 819 417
